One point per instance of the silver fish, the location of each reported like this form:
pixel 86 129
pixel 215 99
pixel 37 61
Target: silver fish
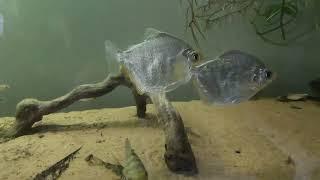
pixel 160 63
pixel 4 87
pixel 233 77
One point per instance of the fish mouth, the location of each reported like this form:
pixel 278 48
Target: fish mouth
pixel 267 82
pixel 261 85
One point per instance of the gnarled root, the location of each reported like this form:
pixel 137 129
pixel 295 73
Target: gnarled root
pixel 29 111
pixel 178 156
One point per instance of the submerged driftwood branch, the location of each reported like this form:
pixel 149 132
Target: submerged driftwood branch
pixel 178 156
pixel 29 111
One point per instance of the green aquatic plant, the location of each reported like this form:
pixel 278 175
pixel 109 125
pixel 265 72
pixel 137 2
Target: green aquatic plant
pixel 275 21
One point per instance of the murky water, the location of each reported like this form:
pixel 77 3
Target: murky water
pixel 49 47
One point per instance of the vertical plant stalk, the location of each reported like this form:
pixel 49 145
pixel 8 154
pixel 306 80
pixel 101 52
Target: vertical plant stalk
pixel 281 20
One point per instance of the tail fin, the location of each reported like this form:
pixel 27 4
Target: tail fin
pixel 112 57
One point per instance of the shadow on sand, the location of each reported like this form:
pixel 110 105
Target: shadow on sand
pixel 149 121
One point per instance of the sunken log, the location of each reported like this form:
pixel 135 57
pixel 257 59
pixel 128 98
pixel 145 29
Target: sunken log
pixel 178 153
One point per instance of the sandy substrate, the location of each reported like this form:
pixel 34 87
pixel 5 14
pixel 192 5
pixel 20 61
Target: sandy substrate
pixel 262 139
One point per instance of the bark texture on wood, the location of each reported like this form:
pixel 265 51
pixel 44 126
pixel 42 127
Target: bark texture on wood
pixel 141 103
pixel 178 155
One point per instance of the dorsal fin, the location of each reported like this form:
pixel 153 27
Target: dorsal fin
pixel 151 33
pixel 112 57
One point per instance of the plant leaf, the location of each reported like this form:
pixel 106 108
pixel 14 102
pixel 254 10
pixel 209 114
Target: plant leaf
pixel 290 10
pixel 271 11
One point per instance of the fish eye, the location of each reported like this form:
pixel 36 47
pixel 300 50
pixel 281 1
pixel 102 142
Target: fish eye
pixel 192 55
pixel 195 56
pixel 268 74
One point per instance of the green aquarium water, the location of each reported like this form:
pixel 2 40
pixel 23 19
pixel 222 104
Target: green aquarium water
pixel 48 47
pixel 215 89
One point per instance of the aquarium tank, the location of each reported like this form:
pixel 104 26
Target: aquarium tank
pixel 160 89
